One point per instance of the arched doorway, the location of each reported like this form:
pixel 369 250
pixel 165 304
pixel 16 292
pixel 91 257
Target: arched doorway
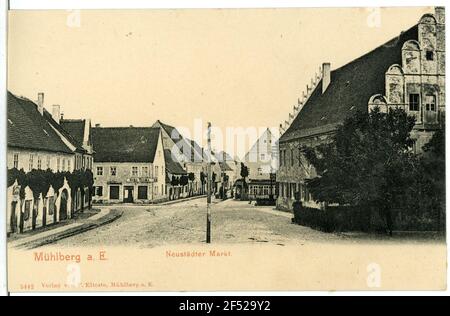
pixel 63 205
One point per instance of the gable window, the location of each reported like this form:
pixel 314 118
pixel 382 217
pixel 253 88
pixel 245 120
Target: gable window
pixel 16 161
pixel 134 171
pixel 113 171
pixel 99 171
pixel 156 170
pixel 429 55
pixel 430 103
pixel 414 101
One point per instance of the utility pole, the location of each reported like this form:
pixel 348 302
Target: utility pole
pixel 208 186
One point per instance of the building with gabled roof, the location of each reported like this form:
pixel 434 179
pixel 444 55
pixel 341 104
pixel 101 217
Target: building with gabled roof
pixel 188 154
pixel 408 72
pixel 129 164
pixel 37 142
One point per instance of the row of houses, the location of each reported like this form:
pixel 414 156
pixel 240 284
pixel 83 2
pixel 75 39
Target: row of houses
pixel 128 164
pixel 407 71
pixel 38 140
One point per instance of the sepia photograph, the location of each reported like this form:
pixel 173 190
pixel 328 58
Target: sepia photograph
pixel 226 149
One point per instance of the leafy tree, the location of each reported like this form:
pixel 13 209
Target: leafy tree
pixel 244 175
pixel 367 163
pixel 37 184
pixel 89 182
pixel 184 180
pixel 175 181
pixel 427 193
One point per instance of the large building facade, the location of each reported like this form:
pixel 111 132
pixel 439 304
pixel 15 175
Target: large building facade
pixel 129 165
pixel 407 72
pixel 37 142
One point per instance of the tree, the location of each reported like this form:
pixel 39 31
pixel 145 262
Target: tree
pixel 37 184
pixel 428 193
pixel 175 181
pixel 367 163
pixel 244 172
pixel 89 181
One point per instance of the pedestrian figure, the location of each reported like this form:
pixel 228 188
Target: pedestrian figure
pixel 297 207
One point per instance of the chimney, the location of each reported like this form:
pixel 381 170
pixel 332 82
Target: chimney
pixel 326 76
pixel 56 112
pixel 40 102
pixel 439 14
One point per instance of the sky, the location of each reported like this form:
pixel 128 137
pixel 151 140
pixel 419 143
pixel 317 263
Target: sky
pixel 232 67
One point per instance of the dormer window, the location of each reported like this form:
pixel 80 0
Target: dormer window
pixel 429 55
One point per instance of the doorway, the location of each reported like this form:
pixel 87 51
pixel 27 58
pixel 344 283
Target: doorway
pixel 128 194
pixel 63 205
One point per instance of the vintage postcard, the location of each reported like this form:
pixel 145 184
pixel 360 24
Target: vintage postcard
pixel 226 149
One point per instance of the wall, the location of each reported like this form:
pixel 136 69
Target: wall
pixel 20 206
pixel 155 179
pixel 24 159
pixel 422 72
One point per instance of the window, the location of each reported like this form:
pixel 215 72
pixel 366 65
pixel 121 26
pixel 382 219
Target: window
pixel 64 164
pixel 156 189
pixel 99 191
pixel 156 170
pixel 430 103
pixel 260 171
pixel 114 192
pixel 292 157
pixel 263 157
pixel 429 55
pixel 69 165
pixel 142 192
pixel 113 171
pixel 58 161
pixel 31 162
pixel 48 162
pixel 16 161
pixel 134 171
pixel 414 102
pixel 39 162
pixel 99 171
pixel 144 171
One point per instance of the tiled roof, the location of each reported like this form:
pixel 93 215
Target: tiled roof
pixel 124 144
pixel 64 132
pixel 180 139
pixel 224 166
pixel 350 88
pixel 75 128
pixel 172 166
pixel 28 129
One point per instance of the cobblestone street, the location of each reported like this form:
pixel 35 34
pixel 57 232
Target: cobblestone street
pixel 232 222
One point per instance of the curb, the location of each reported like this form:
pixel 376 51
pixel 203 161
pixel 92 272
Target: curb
pixel 179 200
pixel 109 218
